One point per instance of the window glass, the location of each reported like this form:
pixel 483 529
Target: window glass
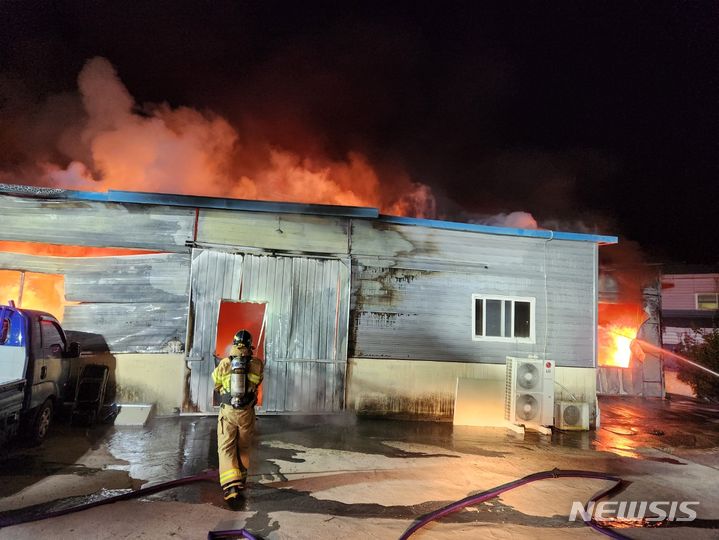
pixel 503 318
pixel 507 318
pixel 707 301
pixel 494 318
pixel 478 316
pixel 521 319
pixel 50 336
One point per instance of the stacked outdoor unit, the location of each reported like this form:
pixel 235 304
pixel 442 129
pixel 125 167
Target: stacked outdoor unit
pixel 529 395
pixel 571 416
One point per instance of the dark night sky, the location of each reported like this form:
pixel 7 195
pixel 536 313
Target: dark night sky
pixel 602 115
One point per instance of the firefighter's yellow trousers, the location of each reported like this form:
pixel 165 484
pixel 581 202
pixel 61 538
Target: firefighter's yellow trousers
pixel 234 436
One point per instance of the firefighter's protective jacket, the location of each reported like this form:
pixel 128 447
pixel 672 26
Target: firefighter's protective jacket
pixel 221 375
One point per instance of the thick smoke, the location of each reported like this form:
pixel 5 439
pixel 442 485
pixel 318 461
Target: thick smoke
pixel 112 142
pixel 517 220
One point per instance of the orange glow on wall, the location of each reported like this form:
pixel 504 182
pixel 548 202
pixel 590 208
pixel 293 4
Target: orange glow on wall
pixel 46 292
pixel 31 290
pixel 618 327
pixel 55 250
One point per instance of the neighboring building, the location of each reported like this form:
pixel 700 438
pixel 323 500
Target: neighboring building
pixel 690 301
pixel 357 311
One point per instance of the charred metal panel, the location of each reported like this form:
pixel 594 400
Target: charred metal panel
pixel 306 330
pixel 305 325
pixel 101 224
pixel 215 276
pixel 128 327
pixel 409 313
pixel 303 386
pixel 281 232
pixel 422 244
pixel 159 277
pixel 134 303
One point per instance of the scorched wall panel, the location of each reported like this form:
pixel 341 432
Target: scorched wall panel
pixel 305 325
pixel 267 231
pixel 135 303
pixel 100 224
pixel 402 311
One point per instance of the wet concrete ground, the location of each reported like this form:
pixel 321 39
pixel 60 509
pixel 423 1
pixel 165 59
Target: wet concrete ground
pixel 328 477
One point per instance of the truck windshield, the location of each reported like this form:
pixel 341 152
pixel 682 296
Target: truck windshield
pixel 4 331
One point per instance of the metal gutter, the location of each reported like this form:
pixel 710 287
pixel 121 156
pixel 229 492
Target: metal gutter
pixel 507 231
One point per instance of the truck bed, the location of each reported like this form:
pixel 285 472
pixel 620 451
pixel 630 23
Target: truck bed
pixel 12 395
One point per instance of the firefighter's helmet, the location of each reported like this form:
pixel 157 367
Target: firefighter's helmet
pixel 243 337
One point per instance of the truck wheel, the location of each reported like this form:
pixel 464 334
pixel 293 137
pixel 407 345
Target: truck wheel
pixel 42 422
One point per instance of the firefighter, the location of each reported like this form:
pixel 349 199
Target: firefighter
pixel 236 378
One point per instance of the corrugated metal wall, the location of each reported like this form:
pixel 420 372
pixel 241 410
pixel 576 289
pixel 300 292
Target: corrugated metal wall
pixel 215 276
pixel 85 223
pixel 134 303
pixel 269 231
pixel 306 325
pixel 412 293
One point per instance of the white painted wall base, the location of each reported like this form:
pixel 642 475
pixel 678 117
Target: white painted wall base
pixel 158 379
pixel 427 389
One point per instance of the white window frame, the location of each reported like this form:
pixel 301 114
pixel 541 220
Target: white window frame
pixel 696 300
pixel 532 318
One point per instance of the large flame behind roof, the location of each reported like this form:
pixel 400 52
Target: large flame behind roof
pixel 120 144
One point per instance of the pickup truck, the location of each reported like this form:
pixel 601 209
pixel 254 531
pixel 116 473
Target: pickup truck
pixel 34 371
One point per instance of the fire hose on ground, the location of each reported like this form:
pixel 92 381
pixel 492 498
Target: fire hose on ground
pixel 496 491
pixel 211 476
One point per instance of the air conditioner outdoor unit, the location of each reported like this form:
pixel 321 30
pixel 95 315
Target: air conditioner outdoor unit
pixel 529 392
pixel 571 415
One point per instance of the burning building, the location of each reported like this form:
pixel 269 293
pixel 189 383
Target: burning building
pixel 629 361
pixel 352 309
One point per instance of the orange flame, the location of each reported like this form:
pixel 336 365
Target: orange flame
pixel 44 292
pixel 183 150
pixel 57 250
pixel 618 327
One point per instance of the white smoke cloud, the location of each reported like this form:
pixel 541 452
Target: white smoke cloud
pixel 515 220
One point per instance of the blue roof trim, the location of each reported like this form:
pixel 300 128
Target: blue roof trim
pixel 193 201
pixel 507 231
